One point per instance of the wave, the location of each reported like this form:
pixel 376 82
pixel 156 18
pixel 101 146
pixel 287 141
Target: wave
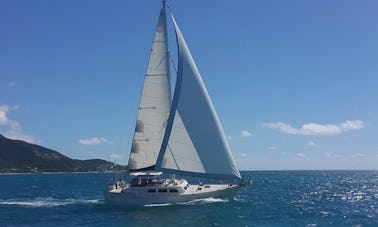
pixel 205 201
pixel 158 205
pixel 48 202
pixel 240 199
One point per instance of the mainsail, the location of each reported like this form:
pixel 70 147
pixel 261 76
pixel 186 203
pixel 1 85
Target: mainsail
pixel 194 142
pixel 154 104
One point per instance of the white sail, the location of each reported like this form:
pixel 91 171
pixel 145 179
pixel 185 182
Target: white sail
pixel 183 136
pixel 154 104
pixel 194 142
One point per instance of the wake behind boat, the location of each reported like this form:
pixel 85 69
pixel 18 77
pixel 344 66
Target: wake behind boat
pixel 179 136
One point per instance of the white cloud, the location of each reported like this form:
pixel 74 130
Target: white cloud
pixel 317 129
pixel 15 131
pixel 94 141
pixel 4 119
pixel 352 125
pixel 17 135
pixel 301 156
pixel 311 144
pixel 272 148
pixel 4 109
pixel 282 127
pixel 245 134
pixel 357 155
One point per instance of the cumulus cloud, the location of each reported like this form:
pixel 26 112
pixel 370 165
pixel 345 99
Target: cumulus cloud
pixel 14 128
pixel 317 129
pixel 272 148
pixel 94 141
pixel 245 134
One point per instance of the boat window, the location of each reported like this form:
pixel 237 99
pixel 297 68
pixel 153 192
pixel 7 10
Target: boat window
pixel 151 190
pixel 207 186
pixel 185 188
pixel 173 190
pixel 162 190
pixel 199 189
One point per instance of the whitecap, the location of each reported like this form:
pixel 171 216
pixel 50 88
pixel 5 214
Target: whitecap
pixel 205 201
pixel 158 205
pixel 239 199
pixel 326 213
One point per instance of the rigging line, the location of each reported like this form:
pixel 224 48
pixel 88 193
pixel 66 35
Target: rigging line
pixel 161 61
pixel 173 63
pixel 174 159
pixel 163 128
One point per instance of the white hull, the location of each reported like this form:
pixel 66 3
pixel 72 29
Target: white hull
pixel 139 196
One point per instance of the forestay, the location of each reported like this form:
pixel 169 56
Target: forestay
pixel 194 142
pixel 154 104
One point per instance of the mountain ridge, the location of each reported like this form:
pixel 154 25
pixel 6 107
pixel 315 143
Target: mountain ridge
pixel 18 156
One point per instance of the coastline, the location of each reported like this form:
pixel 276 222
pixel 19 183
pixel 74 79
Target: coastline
pixel 55 173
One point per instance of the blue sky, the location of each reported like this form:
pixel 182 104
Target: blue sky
pixel 294 82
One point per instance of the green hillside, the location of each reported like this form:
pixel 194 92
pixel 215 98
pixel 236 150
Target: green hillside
pixel 21 157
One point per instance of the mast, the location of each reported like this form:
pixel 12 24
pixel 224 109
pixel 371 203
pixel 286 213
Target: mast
pixel 155 102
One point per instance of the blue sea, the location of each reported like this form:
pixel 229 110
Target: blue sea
pixel 276 198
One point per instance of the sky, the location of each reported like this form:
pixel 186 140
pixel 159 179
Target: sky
pixel 294 82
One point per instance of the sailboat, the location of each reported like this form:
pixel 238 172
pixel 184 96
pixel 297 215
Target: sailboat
pixel 180 135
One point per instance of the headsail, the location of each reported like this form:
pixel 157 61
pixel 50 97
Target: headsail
pixel 194 142
pixel 154 104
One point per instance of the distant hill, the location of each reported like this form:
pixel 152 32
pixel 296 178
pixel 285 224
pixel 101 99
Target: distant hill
pixel 21 157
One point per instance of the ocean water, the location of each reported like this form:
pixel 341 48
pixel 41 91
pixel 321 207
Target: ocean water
pixel 276 198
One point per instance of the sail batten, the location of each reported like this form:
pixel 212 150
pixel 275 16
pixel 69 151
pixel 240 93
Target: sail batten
pixel 154 104
pixel 194 142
